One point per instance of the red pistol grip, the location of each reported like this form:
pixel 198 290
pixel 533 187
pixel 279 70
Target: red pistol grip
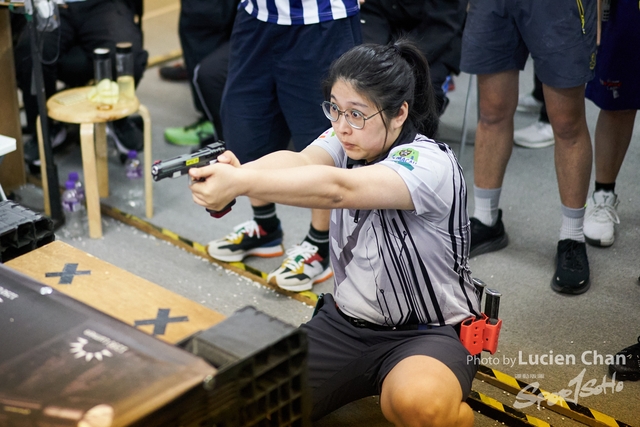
pixel 223 212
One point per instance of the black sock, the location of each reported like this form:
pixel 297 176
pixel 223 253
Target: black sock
pixel 606 187
pixel 319 239
pixel 266 217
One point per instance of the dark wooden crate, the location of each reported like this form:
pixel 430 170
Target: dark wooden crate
pixel 62 361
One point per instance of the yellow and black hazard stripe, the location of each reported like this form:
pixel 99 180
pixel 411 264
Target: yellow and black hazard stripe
pixel 551 401
pixel 498 411
pixel 307 297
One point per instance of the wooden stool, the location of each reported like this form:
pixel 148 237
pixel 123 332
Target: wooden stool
pixel 73 106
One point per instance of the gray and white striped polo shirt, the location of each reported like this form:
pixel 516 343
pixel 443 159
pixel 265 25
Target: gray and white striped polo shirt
pixel 395 267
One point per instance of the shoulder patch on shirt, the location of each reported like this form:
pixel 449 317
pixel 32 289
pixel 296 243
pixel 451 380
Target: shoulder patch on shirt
pixel 407 157
pixel 327 134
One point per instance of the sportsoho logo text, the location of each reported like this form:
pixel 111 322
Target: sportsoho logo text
pixel 96 346
pixel 6 293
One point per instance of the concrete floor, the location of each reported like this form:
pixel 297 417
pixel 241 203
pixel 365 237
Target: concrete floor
pixel 537 321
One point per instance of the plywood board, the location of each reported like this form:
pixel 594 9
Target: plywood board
pixel 116 292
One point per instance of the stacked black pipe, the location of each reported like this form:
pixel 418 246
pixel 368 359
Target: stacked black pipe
pixel 22 230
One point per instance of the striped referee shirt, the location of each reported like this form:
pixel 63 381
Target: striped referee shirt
pixel 395 267
pixel 300 12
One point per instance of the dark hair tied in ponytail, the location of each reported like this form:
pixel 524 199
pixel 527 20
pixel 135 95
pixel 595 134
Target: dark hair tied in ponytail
pixel 388 76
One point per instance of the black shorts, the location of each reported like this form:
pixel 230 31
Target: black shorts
pixel 560 35
pixel 347 363
pixel 616 85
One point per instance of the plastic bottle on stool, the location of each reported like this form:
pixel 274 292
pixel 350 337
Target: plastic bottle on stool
pixel 75 177
pixel 133 170
pixel 74 211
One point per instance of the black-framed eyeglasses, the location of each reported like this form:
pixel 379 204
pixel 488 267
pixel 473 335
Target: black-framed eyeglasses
pixel 355 118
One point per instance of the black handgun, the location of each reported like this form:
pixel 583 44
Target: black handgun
pixel 178 166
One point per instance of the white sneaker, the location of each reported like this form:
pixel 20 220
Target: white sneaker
pixel 537 135
pixel 301 269
pixel 528 104
pixel 600 218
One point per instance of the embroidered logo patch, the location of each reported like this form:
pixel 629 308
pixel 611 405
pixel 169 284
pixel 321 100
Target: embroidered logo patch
pixel 407 157
pixel 327 134
pixel 612 86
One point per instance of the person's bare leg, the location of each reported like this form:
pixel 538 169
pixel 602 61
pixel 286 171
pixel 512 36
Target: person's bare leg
pixel 498 98
pixel 573 160
pixel 612 138
pixel 421 391
pixel 257 203
pixel 320 219
pixel 573 152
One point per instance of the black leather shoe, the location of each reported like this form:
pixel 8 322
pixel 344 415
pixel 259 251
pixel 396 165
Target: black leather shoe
pixel 486 239
pixel 58 137
pixel 572 268
pixel 174 73
pixel 630 369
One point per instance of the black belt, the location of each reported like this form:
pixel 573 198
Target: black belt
pixel 361 323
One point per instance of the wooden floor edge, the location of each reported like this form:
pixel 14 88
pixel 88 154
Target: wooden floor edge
pixel 161 59
pixel 198 249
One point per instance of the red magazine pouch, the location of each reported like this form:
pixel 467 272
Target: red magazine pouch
pixel 478 334
pixel 472 333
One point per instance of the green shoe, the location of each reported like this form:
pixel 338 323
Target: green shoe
pixel 189 135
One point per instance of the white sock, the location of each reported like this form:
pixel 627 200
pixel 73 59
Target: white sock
pixel 572 221
pixel 486 205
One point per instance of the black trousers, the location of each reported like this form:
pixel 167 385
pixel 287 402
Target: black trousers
pixel 208 82
pixel 67 52
pixel 204 28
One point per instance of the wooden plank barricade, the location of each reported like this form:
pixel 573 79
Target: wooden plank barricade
pixel 116 292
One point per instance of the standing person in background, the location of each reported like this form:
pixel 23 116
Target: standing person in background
pixel 204 30
pixel 400 240
pixel 561 38
pixel 280 53
pixel 434 25
pixel 616 91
